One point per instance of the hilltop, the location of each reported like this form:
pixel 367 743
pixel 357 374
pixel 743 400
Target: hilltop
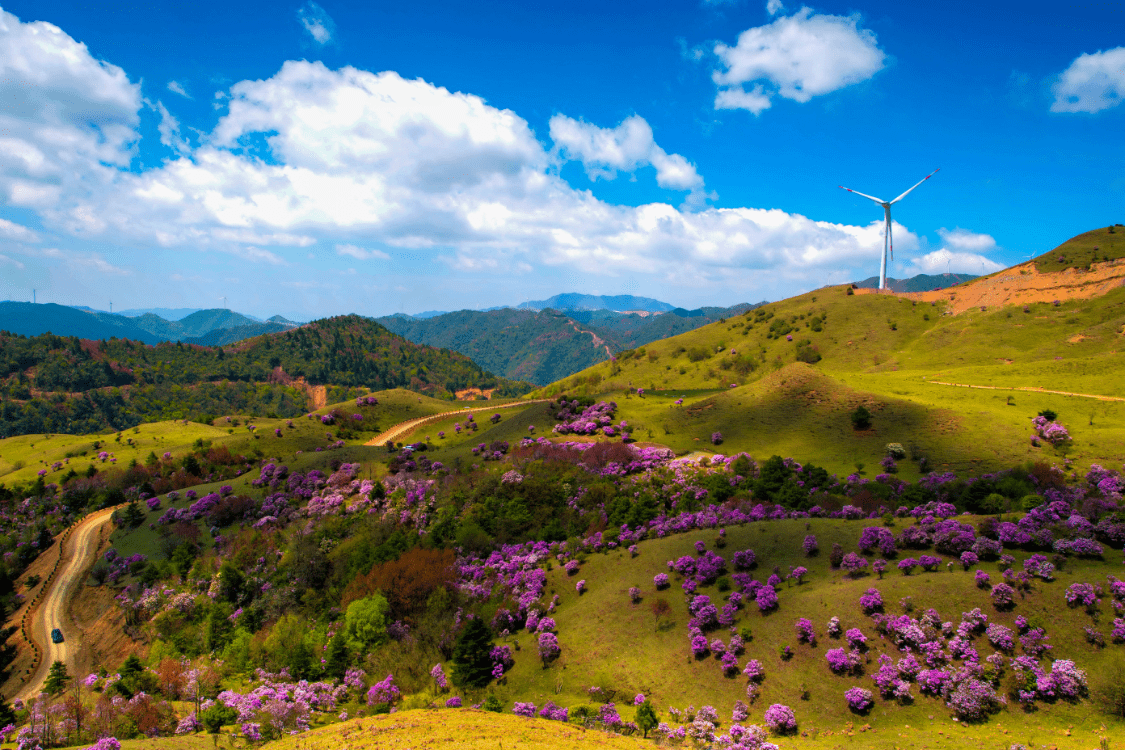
pixel 1008 334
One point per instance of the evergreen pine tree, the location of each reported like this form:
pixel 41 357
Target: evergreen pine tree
pixel 57 678
pixel 472 655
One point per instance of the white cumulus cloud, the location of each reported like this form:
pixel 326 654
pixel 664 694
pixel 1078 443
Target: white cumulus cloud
pixel 1093 82
pixel 963 252
pixel 351 160
pixel 317 22
pixel 797 57
pixel 629 146
pixel 65 114
pixel 773 7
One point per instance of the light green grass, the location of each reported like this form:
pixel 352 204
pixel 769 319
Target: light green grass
pixel 609 642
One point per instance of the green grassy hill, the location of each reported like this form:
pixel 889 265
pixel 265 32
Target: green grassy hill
pixel 793 369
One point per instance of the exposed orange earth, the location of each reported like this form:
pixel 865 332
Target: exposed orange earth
pixel 1022 285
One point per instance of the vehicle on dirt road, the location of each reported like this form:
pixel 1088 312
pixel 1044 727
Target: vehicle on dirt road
pixel 56 636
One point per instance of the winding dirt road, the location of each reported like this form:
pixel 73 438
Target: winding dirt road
pixel 402 428
pixel 77 555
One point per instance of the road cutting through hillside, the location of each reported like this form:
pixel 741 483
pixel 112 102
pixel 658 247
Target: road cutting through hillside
pixel 77 555
pixel 402 428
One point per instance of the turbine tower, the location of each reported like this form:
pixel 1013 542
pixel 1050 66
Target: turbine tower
pixel 888 243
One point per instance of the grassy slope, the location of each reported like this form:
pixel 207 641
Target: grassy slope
pixel 609 642
pixel 882 350
pixel 461 728
pixel 1079 251
pixel 40 451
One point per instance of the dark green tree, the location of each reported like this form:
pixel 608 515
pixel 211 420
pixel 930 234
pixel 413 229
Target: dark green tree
pixel 338 656
pixel 231 583
pixel 215 717
pixel 861 418
pixel 646 718
pixel 472 659
pixel 7 715
pixel 57 678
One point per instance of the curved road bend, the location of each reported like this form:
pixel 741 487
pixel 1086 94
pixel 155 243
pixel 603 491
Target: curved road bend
pixel 77 555
pixel 403 427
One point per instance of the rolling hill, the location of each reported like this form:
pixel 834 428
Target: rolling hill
pixel 54 384
pixel 541 346
pixel 1024 340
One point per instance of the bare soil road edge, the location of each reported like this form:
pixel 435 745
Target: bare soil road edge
pixel 77 547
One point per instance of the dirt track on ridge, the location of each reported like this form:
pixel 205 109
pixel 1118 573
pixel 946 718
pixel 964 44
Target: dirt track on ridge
pixel 77 555
pixel 402 428
pixel 1031 388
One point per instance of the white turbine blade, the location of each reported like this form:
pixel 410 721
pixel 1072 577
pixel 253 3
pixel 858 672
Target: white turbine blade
pixel 931 174
pixel 868 197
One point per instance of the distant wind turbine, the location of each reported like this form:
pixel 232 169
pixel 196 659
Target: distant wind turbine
pixel 888 243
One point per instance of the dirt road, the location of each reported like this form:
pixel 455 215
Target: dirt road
pixel 1029 388
pixel 402 428
pixel 78 551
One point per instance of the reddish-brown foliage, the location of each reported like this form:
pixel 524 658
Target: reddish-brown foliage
pixel 595 457
pixel 406 582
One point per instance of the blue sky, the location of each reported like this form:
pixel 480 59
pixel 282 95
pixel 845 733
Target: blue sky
pixel 315 159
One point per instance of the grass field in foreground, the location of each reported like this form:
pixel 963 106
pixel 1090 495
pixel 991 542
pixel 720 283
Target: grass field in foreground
pixel 609 642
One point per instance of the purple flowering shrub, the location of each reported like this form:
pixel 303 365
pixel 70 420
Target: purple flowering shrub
pixel 1081 595
pixel 660 580
pixel 805 631
pixel 871 601
pixel 1003 596
pixel 745 559
pixel 853 564
pixel 810 545
pixel 859 699
pixel 384 691
pixel 929 562
pixel 780 718
pixel 766 597
pixel 982 579
pixel 907 565
pixel 548 647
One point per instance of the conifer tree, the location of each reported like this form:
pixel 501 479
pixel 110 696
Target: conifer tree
pixel 472 655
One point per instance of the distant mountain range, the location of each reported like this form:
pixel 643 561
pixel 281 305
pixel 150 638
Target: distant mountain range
pixel 542 346
pixel 923 282
pixel 618 303
pixel 572 301
pixel 217 327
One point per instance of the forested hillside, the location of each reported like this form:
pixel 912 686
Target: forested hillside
pixel 54 384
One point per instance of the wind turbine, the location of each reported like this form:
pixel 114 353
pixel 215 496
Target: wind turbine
pixel 888 243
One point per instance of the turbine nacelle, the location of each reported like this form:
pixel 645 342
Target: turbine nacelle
pixel 888 243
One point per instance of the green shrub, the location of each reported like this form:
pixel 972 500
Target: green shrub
pixel 861 418
pixel 896 451
pixel 493 704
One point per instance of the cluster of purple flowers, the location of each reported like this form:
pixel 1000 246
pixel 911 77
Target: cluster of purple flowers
pixel 871 600
pixel 859 699
pixel 1053 432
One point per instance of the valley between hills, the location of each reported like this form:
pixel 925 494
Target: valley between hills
pixel 843 519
